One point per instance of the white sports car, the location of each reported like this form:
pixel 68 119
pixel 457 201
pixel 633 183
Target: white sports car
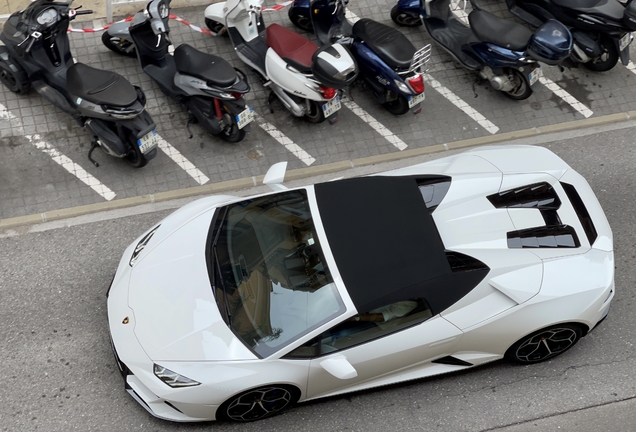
pixel 236 308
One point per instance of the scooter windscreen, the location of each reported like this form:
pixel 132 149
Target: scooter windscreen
pixel 334 66
pixel 551 43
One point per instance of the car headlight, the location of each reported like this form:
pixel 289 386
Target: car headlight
pixel 173 379
pixel 141 245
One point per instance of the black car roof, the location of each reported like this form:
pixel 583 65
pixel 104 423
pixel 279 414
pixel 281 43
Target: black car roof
pixel 386 245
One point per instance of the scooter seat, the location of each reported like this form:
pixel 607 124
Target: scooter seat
pixel 498 31
pixel 613 10
pixel 388 43
pixel 294 48
pixel 208 67
pixel 100 86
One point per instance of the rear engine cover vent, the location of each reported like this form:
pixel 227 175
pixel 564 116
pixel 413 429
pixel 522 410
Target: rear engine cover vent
pixel 556 236
pixel 538 196
pixel 460 262
pixel 433 190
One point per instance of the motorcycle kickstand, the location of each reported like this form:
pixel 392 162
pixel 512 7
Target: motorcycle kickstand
pixel 270 99
pixel 191 120
pixel 94 145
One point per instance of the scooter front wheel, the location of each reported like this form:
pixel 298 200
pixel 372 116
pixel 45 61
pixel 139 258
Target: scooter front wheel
pixel 315 114
pixel 404 19
pixel 398 106
pixel 300 21
pixel 15 81
pixel 521 86
pixel 119 45
pixel 215 27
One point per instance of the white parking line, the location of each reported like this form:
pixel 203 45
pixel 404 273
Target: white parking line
pixel 459 103
pixel 294 148
pixel 182 161
pixel 567 97
pixel 375 125
pixel 61 159
pixel 631 67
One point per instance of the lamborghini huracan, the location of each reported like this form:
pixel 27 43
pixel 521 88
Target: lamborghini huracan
pixel 236 308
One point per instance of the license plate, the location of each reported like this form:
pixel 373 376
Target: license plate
pixel 417 99
pixel 624 41
pixel 245 117
pixel 147 142
pixel 332 106
pixel 534 76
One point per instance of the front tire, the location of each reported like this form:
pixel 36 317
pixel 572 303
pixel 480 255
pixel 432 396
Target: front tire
pixel 119 45
pixel 135 157
pixel 544 344
pixel 404 19
pixel 521 86
pixel 215 26
pixel 17 82
pixel 315 114
pixel 398 106
pixel 300 21
pixel 607 60
pixel 258 403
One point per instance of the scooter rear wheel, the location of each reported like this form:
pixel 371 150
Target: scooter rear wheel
pixel 231 133
pixel 522 89
pixel 607 60
pixel 404 19
pixel 119 45
pixel 135 157
pixel 398 106
pixel 15 81
pixel 315 113
pixel 300 21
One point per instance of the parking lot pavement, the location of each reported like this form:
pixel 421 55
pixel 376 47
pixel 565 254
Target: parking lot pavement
pixel 43 163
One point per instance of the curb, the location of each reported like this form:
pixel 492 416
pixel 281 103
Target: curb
pixel 300 173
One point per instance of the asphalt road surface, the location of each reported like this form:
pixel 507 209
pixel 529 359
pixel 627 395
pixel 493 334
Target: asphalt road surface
pixel 58 374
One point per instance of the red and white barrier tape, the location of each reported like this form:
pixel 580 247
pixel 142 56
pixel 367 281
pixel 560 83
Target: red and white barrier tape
pixel 178 19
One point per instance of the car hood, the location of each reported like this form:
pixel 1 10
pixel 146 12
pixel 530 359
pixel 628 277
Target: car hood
pixel 176 316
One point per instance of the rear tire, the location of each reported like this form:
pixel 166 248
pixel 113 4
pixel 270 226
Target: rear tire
pixel 119 45
pixel 17 82
pixel 544 344
pixel 399 106
pixel 404 19
pixel 608 59
pixel 231 133
pixel 522 89
pixel 315 113
pixel 135 157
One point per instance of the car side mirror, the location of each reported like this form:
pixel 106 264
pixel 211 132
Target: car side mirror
pixel 275 176
pixel 339 367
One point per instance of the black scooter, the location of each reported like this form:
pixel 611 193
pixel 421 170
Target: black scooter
pixel 36 54
pixel 209 87
pixel 600 28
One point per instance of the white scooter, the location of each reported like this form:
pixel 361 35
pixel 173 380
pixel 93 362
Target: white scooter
pixel 307 79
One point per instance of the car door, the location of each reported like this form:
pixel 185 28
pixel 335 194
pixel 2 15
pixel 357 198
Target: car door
pixel 394 356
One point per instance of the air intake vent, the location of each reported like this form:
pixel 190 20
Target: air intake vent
pixel 538 196
pixel 581 212
pixel 463 263
pixel 560 236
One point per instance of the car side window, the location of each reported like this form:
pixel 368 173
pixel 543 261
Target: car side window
pixel 365 327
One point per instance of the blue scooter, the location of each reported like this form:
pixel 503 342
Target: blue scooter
pixel 503 52
pixel 388 62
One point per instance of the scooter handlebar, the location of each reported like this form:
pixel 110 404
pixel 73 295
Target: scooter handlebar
pixel 83 12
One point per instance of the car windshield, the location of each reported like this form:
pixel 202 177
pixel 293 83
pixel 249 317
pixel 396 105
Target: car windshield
pixel 269 273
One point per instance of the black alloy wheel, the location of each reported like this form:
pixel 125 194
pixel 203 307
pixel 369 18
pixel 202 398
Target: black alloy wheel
pixel 259 403
pixel 315 114
pixel 231 133
pixel 300 21
pixel 399 106
pixel 608 59
pixel 215 26
pixel 135 157
pixel 521 86
pixel 14 81
pixel 545 344
pixel 404 19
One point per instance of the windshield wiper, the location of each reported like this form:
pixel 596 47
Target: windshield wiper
pixel 217 266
